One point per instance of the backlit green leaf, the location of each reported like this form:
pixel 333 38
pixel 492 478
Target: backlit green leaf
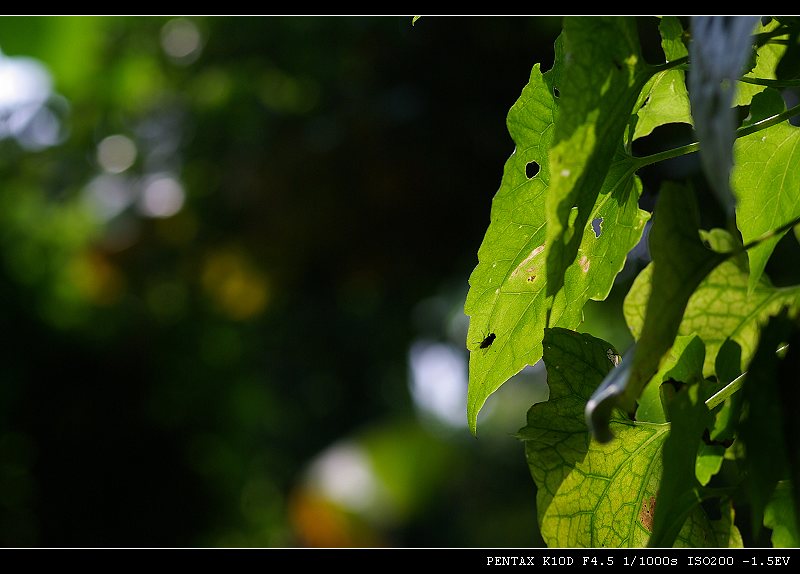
pixel 728 535
pixel 680 493
pixel 780 517
pixel 720 307
pixel 683 362
pixel 603 76
pixel 726 417
pixel 766 182
pixel 667 97
pixel 767 58
pixel 592 494
pixel 507 288
pixel 680 263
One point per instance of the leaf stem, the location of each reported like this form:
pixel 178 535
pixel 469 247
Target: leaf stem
pixel 693 147
pixel 768 122
pixel 736 384
pixel 764 37
pixel 771 83
pixel 768 235
pixel 669 65
pixel 726 391
pixel 665 155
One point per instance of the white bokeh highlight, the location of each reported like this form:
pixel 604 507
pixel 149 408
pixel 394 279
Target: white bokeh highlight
pixel 161 196
pixel 439 381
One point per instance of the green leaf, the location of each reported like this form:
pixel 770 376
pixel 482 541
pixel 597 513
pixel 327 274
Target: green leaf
pixel 727 534
pixel 505 295
pixel 709 462
pixel 767 58
pixel 728 368
pixel 762 426
pixel 726 418
pixel 680 494
pixel 667 97
pixel 672 34
pixel 603 76
pixel 591 494
pixel 766 182
pixel 720 308
pixel 507 288
pixel 414 19
pixel 684 363
pixel 680 263
pixel 780 517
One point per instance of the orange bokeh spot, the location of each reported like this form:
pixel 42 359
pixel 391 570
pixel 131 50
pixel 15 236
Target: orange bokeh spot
pixel 320 523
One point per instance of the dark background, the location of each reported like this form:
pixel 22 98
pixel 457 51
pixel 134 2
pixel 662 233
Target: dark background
pixel 231 362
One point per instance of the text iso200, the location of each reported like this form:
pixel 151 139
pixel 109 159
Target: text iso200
pixel 710 560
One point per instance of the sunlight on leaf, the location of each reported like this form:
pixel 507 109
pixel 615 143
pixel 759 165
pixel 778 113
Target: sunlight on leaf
pixel 780 517
pixel 683 362
pixel 507 288
pixel 727 534
pixel 592 494
pixel 720 307
pixel 680 263
pixel 767 58
pixel 667 97
pixel 680 494
pixel 766 181
pixel 603 75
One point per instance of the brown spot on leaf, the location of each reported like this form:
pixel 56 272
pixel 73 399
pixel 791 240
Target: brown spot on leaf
pixel 530 269
pixel 647 512
pixel 584 263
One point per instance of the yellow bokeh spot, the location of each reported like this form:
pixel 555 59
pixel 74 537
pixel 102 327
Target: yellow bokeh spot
pixel 96 278
pixel 234 284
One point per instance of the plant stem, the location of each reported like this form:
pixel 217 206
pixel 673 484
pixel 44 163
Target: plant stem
pixel 771 83
pixel 668 154
pixel 732 387
pixel 764 37
pixel 669 65
pixel 741 132
pixel 726 391
pixel 782 229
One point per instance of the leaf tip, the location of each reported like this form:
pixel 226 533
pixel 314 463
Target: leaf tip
pixel 473 408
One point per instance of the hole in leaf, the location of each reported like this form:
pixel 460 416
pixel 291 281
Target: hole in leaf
pixel 597 226
pixel 650 40
pixel 712 442
pixel 556 93
pixel 531 169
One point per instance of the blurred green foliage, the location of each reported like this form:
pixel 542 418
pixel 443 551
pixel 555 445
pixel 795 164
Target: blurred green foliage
pixel 190 333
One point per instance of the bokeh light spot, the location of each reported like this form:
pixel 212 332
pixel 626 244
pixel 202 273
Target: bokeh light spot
pixel 439 382
pixel 97 279
pixel 162 196
pixel 181 40
pixel 116 153
pixel 108 195
pixel 233 283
